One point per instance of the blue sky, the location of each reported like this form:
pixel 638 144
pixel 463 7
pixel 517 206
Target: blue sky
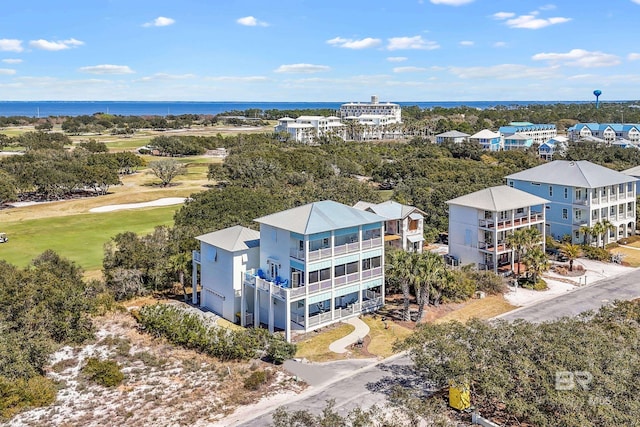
pixel 286 50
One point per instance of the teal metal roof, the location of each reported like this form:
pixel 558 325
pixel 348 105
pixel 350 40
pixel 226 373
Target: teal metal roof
pixel 319 217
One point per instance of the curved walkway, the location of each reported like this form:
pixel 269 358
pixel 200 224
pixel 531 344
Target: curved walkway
pixel 361 330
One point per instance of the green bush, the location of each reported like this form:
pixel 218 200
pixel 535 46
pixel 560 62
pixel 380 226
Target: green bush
pixel 104 372
pixel 16 395
pixel 279 350
pixel 595 253
pixel 256 379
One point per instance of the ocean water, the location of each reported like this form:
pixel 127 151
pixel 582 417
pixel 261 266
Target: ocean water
pixel 143 108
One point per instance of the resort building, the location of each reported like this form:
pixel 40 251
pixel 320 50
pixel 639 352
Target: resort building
pixel 353 110
pixel 313 265
pixel 555 145
pixel 581 194
pixel 480 222
pixel 372 127
pixel 404 225
pixel 307 129
pixel 634 172
pixel 453 136
pixel 490 141
pixel 609 132
pixel 539 133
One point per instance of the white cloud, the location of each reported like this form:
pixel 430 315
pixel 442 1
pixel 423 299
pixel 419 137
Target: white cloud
pixel 301 68
pixel 107 69
pixel 530 21
pixel 579 58
pixel 396 58
pixel 504 72
pixel 451 2
pixel 466 43
pixel 238 78
pixel 55 45
pixel 11 45
pixel 500 44
pixel 165 76
pixel 409 69
pixel 633 56
pixel 415 42
pixel 503 15
pixel 250 21
pixel 549 7
pixel 12 60
pixel 354 44
pixel 636 1
pixel 160 21
pixel 7 71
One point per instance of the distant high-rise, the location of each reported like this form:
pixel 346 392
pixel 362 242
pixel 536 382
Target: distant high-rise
pixel 353 110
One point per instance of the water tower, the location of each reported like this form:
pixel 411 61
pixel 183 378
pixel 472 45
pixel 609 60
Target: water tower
pixel 597 93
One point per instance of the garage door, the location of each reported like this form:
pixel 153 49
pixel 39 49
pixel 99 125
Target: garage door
pixel 213 301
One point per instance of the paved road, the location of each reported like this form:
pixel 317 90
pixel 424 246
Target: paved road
pixel 370 384
pixel 591 297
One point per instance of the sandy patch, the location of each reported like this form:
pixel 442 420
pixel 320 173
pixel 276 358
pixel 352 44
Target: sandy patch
pixel 167 201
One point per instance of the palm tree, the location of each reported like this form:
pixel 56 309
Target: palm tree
pixel 587 232
pixel 536 261
pixel 572 252
pixel 598 229
pixel 608 226
pixel 522 240
pixel 401 267
pixel 430 270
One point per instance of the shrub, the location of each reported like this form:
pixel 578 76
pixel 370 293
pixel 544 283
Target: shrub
pixel 598 254
pixel 487 281
pixel 104 372
pixel 15 395
pixel 279 350
pixel 256 379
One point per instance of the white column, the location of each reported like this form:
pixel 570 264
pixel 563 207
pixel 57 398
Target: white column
pixel 194 282
pixel 287 319
pixel 271 302
pixel 256 305
pixel 243 301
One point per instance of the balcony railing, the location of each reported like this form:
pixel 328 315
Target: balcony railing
pixel 319 254
pixel 372 243
pixel 347 248
pixel 583 202
pixel 374 272
pixel 517 222
pixel 580 222
pixel 490 246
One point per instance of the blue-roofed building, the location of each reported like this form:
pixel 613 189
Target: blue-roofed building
pixel 316 265
pixel 581 194
pixel 556 145
pixel 609 132
pixel 539 133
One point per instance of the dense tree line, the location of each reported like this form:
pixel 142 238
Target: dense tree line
pixel 48 171
pixel 513 368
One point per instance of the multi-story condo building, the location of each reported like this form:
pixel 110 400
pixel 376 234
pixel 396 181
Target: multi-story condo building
pixel 634 172
pixel 517 141
pixel 453 136
pixel 404 225
pixel 491 141
pixel 556 145
pixel 307 129
pixel 314 265
pixel 352 110
pixel 580 195
pixel 539 133
pixel 606 131
pixel 480 222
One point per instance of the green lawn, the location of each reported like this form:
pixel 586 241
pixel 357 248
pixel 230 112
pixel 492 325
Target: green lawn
pixel 77 237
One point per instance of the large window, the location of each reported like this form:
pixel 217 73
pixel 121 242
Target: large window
pixel 565 214
pixel 352 267
pixel 371 234
pixel 319 275
pixel 369 263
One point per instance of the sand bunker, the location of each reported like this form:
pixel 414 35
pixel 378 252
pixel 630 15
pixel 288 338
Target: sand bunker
pixel 167 201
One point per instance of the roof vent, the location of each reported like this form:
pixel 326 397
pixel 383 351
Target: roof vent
pixel 572 164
